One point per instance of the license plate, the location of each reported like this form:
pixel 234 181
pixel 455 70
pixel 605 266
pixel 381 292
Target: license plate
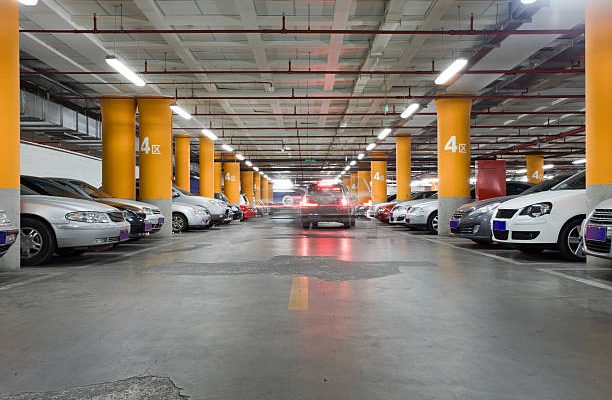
pixel 148 227
pixel 160 221
pixel 454 223
pixel 499 225
pixel 124 235
pixel 596 233
pixel 2 237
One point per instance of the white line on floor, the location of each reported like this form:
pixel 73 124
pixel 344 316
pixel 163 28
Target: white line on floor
pixel 576 279
pixel 25 282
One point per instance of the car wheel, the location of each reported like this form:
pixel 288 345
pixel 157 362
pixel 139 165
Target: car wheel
pixel 482 241
pixel 306 225
pixel 530 249
pixel 432 222
pixel 570 241
pixel 353 221
pixel 179 223
pixel 347 223
pixel 37 242
pixel 70 252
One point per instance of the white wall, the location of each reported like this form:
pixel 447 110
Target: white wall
pixel 41 160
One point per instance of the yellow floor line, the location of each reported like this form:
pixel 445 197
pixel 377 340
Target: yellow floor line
pixel 298 299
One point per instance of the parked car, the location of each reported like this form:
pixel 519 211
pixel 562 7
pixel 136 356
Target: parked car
pixel 546 220
pixel 66 226
pixel 382 214
pixel 398 212
pixel 597 231
pixel 473 220
pixel 372 211
pixel 218 209
pixel 144 218
pixel 188 216
pixel 248 211
pixel 230 210
pixel 8 233
pixel 425 215
pixel 326 202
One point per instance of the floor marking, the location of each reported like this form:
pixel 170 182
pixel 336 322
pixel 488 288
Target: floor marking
pixel 25 282
pixel 298 299
pixel 577 279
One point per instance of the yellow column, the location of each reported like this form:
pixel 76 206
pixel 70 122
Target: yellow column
pixel 363 184
pixel 218 175
pixel 182 162
pixel 264 190
pixel 246 180
pixel 231 179
pixel 155 155
pixel 346 181
pixel 207 167
pixel 270 191
pixel 353 185
pixel 453 157
pixel 119 147
pixel 535 168
pixel 9 122
pixel 379 177
pixel 257 183
pixel 402 166
pixel 598 101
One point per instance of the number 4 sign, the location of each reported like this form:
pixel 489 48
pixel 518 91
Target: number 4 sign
pixel 147 148
pixel 453 147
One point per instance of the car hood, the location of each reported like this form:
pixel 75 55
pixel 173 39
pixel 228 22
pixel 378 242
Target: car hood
pixel 69 204
pixel 207 202
pixel 606 204
pixel 428 205
pixel 481 203
pixel 132 203
pixel 410 203
pixel 548 196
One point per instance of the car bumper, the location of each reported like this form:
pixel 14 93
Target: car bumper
pixel 8 236
pixel 525 230
pixel 472 228
pixel 397 218
pixel 78 234
pixel 597 240
pixel 156 221
pixel 195 220
pixel 416 220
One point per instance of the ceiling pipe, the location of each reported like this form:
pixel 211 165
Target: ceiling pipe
pixel 537 142
pixel 307 128
pixel 380 114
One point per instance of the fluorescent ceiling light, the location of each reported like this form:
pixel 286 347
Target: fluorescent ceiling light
pixel 521 171
pixel 549 166
pixel 260 172
pixel 343 172
pixel 287 148
pixel 451 71
pixel 227 147
pixel 179 110
pixel 508 122
pixel 255 169
pixel 353 162
pixel 360 156
pixel 580 161
pixel 125 70
pixel 411 109
pixel 240 157
pixel 528 1
pixel 248 163
pixel 29 2
pixel 347 167
pixel 208 133
pixel 370 146
pixel 384 133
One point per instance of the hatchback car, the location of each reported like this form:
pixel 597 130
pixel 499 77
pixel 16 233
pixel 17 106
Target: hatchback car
pixel 326 202
pixel 8 233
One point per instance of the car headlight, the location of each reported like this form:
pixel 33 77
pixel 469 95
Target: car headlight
pixel 485 209
pixel 4 218
pixel 200 210
pixel 93 217
pixel 537 210
pixel 147 210
pixel 416 210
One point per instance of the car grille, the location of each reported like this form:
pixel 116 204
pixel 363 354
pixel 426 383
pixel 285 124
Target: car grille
pixel 505 213
pixel 525 235
pixel 599 247
pixel 116 216
pixel 500 235
pixel 601 217
pixel 156 211
pixel 458 214
pixel 466 230
pixel 113 239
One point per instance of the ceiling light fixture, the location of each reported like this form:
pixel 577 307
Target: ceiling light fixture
pixel 370 146
pixel 248 163
pixel 125 71
pixel 579 161
pixel 411 109
pixel 29 2
pixel 227 147
pixel 521 171
pixel 240 157
pixel 360 156
pixel 180 111
pixel 255 169
pixel 548 166
pixel 384 133
pixel 528 1
pixel 209 134
pixel 260 172
pixel 451 71
pixel 347 167
pixel 352 163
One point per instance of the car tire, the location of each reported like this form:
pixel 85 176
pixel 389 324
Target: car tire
pixel 347 223
pixel 570 243
pixel 482 241
pixel 353 221
pixel 70 252
pixel 179 223
pixel 37 242
pixel 432 222
pixel 530 249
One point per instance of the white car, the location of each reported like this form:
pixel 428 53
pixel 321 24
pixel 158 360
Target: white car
pixel 8 233
pixel 188 216
pixel 597 231
pixel 423 216
pixel 398 213
pixel 546 220
pixel 218 209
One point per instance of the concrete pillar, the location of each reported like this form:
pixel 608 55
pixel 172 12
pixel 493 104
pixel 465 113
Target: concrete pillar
pixel 218 175
pixel 231 179
pixel 363 184
pixel 9 123
pixel 402 166
pixel 207 167
pixel 246 180
pixel 257 184
pixel 182 162
pixel 378 170
pixel 453 157
pixel 535 168
pixel 155 121
pixel 598 110
pixel 119 147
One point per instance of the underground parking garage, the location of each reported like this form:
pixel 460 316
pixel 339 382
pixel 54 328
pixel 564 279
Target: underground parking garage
pixel 351 199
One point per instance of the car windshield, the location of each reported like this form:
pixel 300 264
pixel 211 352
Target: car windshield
pixel 546 185
pixel 49 188
pixel 27 191
pixel 183 191
pixel 91 190
pixel 576 182
pixel 221 196
pixel 325 194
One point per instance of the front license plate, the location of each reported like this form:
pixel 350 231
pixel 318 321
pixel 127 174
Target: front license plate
pixel 148 227
pixel 454 223
pixel 596 233
pixel 160 221
pixel 2 237
pixel 124 235
pixel 499 225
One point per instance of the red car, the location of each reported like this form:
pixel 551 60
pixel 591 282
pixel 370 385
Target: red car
pixel 247 210
pixel 382 214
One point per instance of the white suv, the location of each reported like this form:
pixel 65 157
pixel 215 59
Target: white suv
pixel 545 220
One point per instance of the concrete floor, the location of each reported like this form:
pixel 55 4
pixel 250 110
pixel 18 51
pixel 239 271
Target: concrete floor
pixel 267 310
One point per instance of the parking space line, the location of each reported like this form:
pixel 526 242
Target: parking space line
pixel 298 298
pixel 31 280
pixel 575 278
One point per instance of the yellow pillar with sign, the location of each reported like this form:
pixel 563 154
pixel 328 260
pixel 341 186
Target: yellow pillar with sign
pixel 379 177
pixel 182 162
pixel 119 146
pixel 363 184
pixel 218 175
pixel 246 180
pixel 453 159
pixel 231 179
pixel 535 168
pixel 155 155
pixel 9 124
pixel 257 184
pixel 207 167
pixel 403 145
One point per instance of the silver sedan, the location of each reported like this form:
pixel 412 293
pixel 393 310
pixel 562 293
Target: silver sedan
pixel 8 233
pixel 189 216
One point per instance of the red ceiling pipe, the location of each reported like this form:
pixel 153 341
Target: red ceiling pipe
pixel 307 128
pixel 381 114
